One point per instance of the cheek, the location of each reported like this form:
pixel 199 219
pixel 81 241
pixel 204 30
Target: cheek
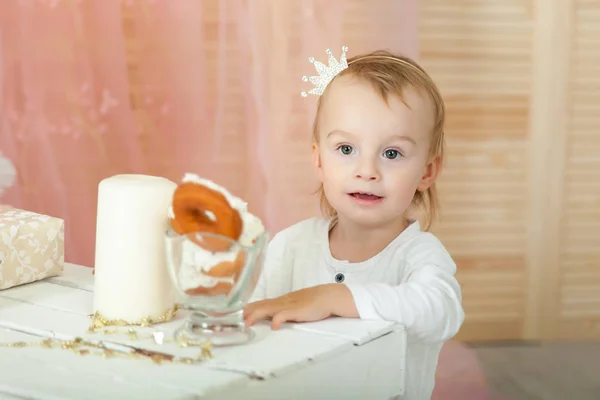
pixel 336 166
pixel 404 177
pixel 328 161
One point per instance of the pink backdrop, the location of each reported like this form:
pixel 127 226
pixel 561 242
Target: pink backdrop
pixel 99 87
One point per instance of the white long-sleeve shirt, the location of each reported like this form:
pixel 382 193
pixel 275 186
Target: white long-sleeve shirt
pixel 411 282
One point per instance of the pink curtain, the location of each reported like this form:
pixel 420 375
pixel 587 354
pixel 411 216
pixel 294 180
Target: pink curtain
pixel 99 87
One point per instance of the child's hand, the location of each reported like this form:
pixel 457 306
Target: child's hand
pixel 311 304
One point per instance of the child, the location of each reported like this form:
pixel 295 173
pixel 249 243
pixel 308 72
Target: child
pixel 378 143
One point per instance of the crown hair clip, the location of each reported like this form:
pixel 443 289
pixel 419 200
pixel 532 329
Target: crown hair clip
pixel 326 73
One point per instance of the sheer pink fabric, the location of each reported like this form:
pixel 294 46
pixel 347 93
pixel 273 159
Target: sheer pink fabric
pixel 99 87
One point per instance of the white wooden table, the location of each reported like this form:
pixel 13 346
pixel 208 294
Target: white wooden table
pixel 337 358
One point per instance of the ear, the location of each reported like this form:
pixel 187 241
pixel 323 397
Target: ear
pixel 429 176
pixel 316 157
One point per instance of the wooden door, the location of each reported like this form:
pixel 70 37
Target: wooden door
pixel 479 54
pixel 521 188
pixel 576 310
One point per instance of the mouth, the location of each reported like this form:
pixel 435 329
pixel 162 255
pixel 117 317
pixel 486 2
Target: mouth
pixel 365 196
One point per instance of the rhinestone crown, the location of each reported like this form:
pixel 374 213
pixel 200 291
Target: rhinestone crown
pixel 326 72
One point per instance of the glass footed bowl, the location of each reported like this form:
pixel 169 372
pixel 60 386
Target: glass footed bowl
pixel 214 277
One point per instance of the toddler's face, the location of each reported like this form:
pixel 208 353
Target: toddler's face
pixel 372 157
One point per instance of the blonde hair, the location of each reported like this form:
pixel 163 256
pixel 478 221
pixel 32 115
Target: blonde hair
pixel 391 74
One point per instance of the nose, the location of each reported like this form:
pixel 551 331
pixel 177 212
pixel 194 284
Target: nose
pixel 367 170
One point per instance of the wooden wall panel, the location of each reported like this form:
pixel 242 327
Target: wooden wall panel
pixel 479 54
pixel 521 187
pixel 579 288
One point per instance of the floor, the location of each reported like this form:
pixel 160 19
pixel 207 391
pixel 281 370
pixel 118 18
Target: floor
pixel 518 371
pixel 552 371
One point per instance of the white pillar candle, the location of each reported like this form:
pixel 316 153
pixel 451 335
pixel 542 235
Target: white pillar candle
pixel 131 278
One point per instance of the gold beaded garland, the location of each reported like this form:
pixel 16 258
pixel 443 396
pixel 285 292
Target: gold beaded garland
pixel 103 325
pixel 99 322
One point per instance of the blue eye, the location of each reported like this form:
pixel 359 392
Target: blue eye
pixel 392 154
pixel 345 149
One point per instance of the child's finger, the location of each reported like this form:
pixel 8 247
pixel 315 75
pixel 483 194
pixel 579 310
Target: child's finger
pixel 249 318
pixel 264 311
pixel 250 308
pixel 283 316
pixel 257 305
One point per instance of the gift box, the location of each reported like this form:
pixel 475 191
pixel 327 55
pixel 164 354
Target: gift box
pixel 31 247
